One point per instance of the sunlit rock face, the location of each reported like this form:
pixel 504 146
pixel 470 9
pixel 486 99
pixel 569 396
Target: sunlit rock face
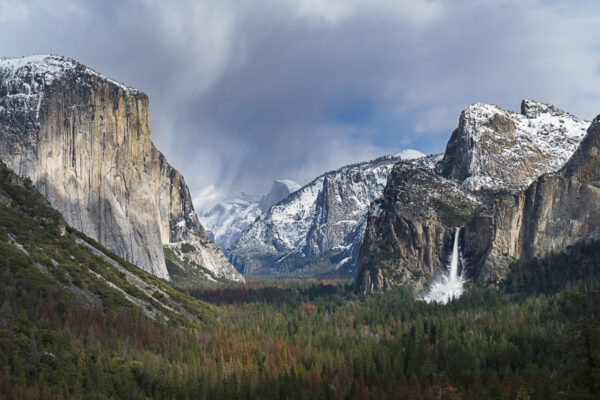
pixel 499 150
pixel 84 140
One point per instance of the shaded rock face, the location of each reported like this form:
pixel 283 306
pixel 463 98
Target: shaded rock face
pixel 318 229
pixel 499 150
pixel 553 213
pixel 84 141
pixel 409 231
pixel 179 221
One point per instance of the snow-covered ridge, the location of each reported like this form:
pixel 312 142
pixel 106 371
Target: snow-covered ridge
pixel 383 160
pixel 409 154
pixel 497 149
pixel 225 221
pixel 35 72
pixel 228 219
pixel 319 226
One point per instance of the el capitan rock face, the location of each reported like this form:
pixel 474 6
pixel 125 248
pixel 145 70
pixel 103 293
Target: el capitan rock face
pixel 84 141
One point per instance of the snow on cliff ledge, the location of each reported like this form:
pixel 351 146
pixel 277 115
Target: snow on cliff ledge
pixel 39 70
pixel 500 150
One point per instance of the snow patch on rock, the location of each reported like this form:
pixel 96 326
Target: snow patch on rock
pixel 501 150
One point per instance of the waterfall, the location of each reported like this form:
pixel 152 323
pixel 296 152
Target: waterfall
pixel 454 257
pixel 451 283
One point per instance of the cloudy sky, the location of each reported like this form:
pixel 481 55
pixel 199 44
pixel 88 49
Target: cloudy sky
pixel 244 91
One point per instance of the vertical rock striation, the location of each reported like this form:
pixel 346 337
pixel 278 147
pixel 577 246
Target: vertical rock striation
pixel 84 140
pixel 553 213
pixel 409 232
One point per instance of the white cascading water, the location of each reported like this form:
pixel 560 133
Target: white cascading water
pixel 450 285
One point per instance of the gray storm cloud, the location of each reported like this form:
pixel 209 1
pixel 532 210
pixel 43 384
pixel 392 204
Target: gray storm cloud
pixel 243 92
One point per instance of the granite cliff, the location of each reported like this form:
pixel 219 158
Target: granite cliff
pixel 410 229
pixel 84 141
pixel 499 150
pixel 554 212
pixel 510 202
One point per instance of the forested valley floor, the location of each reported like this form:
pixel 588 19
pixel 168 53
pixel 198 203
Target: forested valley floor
pixel 300 340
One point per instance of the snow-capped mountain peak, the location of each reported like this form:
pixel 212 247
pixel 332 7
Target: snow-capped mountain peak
pixel 280 189
pixel 409 154
pixel 226 220
pixel 34 72
pixel 501 150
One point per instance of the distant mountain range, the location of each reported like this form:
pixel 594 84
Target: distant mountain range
pixel 318 229
pixel 227 220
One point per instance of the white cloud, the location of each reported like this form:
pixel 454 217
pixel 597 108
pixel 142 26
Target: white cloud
pixel 334 12
pixel 208 197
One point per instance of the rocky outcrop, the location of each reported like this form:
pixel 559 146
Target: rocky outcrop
pixel 409 231
pixel 500 150
pixel 555 212
pixel 206 257
pixel 84 141
pixel 318 229
pixel 495 155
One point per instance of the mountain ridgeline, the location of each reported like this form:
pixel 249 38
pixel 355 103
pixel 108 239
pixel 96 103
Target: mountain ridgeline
pixel 84 141
pixel 229 218
pixel 522 186
pixel 318 229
